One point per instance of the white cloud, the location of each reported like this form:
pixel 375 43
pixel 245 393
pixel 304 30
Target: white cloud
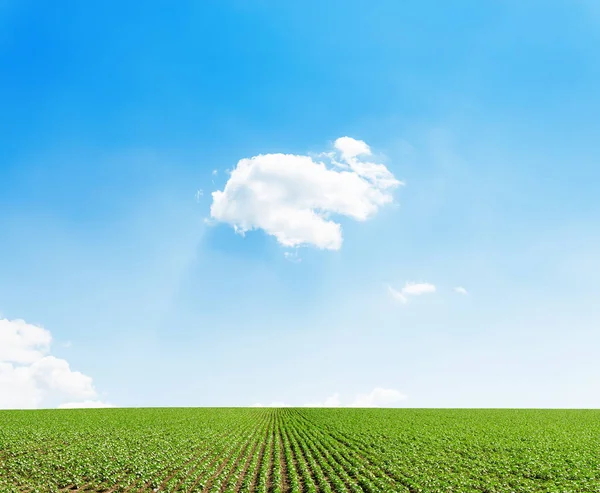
pixel 378 397
pixel 21 342
pixel 272 404
pixel 85 405
pixel 29 376
pixel 350 148
pixel 292 197
pixel 418 288
pixel 461 290
pixel 55 374
pixel 411 289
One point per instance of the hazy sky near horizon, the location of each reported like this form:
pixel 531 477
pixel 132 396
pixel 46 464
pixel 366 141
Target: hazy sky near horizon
pixel 230 203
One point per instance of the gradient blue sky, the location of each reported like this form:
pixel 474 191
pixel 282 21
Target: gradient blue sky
pixel 114 114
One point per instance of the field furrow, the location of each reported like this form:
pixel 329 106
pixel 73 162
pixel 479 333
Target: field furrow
pixel 268 462
pixel 276 478
pixel 290 474
pixel 321 480
pixel 211 479
pixel 309 483
pixel 336 472
pixel 371 474
pixel 177 479
pixel 252 445
pixel 259 473
pixel 280 470
pixel 235 479
pixel 296 475
pixel 265 464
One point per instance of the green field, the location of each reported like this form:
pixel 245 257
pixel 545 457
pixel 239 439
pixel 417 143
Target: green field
pixel 300 450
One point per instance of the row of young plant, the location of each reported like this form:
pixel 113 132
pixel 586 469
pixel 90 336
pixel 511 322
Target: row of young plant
pixel 344 465
pixel 233 471
pixel 209 461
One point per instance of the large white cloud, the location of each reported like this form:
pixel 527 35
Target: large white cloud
pixel 292 197
pixel 30 377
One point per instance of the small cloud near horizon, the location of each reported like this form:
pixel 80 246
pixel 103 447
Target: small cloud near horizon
pixel 85 405
pixel 378 397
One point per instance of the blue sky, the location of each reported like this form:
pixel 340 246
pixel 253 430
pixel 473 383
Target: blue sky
pixel 113 117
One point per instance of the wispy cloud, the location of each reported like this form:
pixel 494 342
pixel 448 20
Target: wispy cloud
pixel 461 290
pixel 292 256
pixel 411 289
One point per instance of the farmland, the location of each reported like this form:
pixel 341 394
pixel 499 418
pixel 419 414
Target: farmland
pixel 299 450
